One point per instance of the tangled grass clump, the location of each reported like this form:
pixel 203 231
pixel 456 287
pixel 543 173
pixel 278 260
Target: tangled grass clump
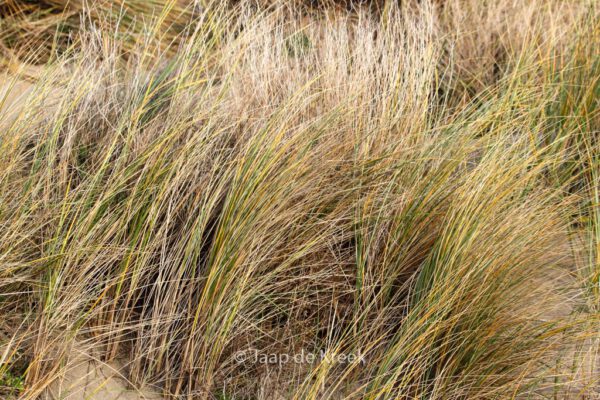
pixel 418 186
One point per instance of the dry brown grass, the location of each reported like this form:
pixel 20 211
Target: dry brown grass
pixel 417 185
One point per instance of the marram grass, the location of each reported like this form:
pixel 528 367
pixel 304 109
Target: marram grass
pixel 416 186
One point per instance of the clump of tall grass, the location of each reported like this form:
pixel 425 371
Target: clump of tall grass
pixel 35 32
pixel 405 185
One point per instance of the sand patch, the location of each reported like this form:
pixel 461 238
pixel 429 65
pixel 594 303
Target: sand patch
pixel 88 378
